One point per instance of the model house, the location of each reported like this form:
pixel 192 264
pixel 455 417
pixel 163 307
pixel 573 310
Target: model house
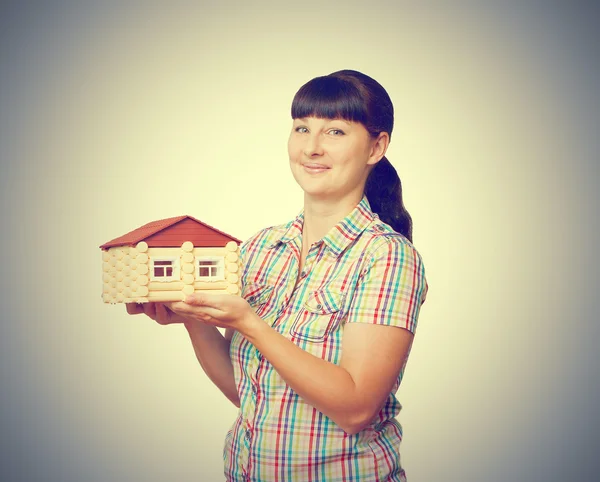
pixel 169 259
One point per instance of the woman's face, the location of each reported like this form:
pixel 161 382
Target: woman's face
pixel 333 157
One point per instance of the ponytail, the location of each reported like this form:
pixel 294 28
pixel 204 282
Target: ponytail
pixel 384 193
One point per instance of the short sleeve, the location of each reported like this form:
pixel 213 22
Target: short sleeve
pixel 392 286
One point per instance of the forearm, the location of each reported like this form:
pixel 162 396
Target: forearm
pixel 327 387
pixel 212 352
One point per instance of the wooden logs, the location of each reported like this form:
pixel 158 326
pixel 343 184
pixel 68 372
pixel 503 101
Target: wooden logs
pixel 210 285
pixel 166 296
pixel 126 272
pixel 170 286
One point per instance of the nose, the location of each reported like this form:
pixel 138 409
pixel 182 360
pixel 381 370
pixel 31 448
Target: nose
pixel 312 146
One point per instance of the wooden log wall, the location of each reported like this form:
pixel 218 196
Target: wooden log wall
pixel 126 273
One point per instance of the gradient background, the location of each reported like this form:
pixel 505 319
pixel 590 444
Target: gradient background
pixel 113 114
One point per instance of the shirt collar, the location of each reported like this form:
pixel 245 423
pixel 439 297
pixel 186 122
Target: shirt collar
pixel 341 235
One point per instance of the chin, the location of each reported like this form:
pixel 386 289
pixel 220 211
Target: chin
pixel 311 186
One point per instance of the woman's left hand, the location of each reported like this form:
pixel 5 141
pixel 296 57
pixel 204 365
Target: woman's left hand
pixel 225 311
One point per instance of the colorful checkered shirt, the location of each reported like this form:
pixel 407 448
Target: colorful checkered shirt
pixel 360 272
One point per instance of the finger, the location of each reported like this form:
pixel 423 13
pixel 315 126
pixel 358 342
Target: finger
pixel 208 311
pixel 199 312
pixel 176 305
pixel 162 314
pixel 202 299
pixel 134 308
pixel 150 310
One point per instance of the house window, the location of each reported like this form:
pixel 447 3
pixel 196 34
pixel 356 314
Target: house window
pixel 165 269
pixel 211 268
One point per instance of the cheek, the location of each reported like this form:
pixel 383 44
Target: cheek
pixel 293 148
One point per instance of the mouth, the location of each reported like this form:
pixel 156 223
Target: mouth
pixel 314 168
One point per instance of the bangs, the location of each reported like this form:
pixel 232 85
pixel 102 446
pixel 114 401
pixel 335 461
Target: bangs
pixel 329 98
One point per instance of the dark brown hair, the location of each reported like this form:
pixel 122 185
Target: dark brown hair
pixel 356 97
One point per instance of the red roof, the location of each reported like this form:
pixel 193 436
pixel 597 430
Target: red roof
pixel 173 232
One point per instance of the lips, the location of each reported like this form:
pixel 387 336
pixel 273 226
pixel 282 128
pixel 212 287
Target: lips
pixel 314 167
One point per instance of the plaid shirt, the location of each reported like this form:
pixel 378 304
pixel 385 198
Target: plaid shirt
pixel 361 271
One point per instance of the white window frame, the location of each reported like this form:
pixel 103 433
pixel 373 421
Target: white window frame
pixel 220 276
pixel 175 263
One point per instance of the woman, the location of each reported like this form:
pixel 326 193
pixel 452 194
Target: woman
pixel 315 348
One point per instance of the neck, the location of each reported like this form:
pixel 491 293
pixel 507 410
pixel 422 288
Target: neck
pixel 320 215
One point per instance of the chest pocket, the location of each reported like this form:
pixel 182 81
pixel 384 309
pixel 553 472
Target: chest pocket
pixel 320 315
pixel 257 295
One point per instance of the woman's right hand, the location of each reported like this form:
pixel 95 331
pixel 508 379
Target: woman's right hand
pixel 156 311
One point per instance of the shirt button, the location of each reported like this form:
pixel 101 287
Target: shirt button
pixel 319 307
pixel 303 274
pixel 248 434
pixel 254 389
pixel 251 299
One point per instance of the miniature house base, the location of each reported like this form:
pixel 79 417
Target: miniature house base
pixel 156 270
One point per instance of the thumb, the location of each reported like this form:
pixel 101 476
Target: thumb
pixel 195 299
pixel 201 299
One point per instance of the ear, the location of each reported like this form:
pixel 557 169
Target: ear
pixel 379 147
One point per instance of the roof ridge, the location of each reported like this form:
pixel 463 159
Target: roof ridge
pixel 153 227
pixel 213 228
pixel 171 221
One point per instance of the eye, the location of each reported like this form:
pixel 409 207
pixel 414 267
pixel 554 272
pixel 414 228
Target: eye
pixel 301 129
pixel 336 132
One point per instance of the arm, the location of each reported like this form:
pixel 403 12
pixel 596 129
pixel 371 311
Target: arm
pixel 350 394
pixel 212 351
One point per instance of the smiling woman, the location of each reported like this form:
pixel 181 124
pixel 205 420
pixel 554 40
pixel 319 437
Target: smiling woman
pixel 315 348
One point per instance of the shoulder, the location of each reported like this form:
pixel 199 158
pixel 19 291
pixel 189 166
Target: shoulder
pixel 388 247
pixel 392 269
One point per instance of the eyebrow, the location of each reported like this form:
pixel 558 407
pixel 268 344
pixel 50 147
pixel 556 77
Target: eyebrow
pixel 304 119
